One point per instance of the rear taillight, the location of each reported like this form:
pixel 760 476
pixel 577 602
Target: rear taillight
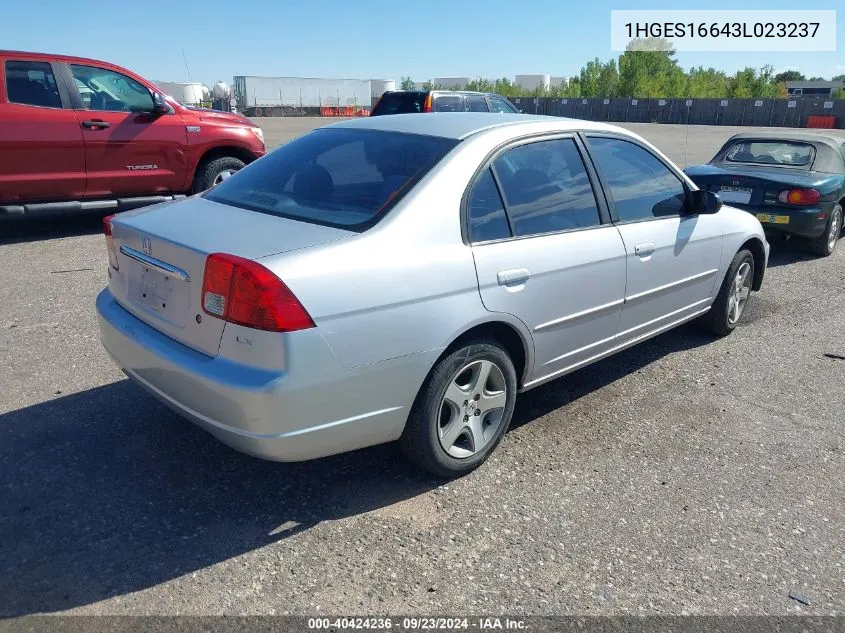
pixel 107 230
pixel 427 103
pixel 244 292
pixel 799 196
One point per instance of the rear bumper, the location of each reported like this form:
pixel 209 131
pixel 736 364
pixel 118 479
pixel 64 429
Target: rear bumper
pixel 321 409
pixel 802 223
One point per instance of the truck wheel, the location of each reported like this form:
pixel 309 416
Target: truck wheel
pixel 462 411
pixel 213 172
pixel 826 244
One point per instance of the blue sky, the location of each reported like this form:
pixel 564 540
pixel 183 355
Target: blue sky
pixel 360 39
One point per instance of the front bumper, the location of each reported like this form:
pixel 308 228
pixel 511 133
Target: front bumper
pixel 810 223
pixel 321 409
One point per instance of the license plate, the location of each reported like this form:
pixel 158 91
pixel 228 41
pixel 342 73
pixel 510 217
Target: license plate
pixel 773 219
pixel 155 292
pixel 742 195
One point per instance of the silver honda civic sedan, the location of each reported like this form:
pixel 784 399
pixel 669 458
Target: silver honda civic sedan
pixel 404 277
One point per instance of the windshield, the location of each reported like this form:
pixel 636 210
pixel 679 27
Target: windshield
pixel 345 178
pixel 771 153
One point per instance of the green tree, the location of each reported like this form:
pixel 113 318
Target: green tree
pixel 428 85
pixel 608 80
pixel 407 83
pixel 838 93
pixel 789 75
pixel 589 78
pixel 506 88
pixel 648 68
pixel 481 85
pixel 704 83
pixel 559 90
pixel 573 88
pixel 749 82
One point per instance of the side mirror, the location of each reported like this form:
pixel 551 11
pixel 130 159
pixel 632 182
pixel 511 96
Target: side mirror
pixel 704 202
pixel 160 104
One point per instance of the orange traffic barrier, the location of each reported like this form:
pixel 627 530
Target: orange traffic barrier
pixel 820 121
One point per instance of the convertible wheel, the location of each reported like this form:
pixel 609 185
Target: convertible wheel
pixel 826 244
pixel 462 411
pixel 733 296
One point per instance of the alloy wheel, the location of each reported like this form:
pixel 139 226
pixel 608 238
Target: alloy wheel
pixel 835 228
pixel 472 408
pixel 223 175
pixel 740 290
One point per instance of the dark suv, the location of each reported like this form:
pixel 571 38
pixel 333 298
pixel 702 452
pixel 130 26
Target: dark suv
pixel 410 101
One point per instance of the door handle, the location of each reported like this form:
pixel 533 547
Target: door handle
pixel 94 124
pixel 513 277
pixel 645 249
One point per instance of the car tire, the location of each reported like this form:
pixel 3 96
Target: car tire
pixel 722 317
pixel 826 244
pixel 213 172
pixel 443 434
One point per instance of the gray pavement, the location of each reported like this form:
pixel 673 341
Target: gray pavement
pixel 684 476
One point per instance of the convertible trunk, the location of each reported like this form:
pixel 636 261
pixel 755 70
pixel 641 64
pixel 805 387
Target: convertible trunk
pixel 748 186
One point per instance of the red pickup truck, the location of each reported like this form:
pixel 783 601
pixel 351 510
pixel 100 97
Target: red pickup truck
pixel 79 134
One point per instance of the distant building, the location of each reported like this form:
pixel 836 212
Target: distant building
pixel 813 88
pixel 301 92
pixel 187 93
pixel 379 86
pixel 533 82
pixel 558 81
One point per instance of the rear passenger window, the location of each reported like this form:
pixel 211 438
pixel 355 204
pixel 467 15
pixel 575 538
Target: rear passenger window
pixel 500 105
pixel 32 83
pixel 449 103
pixel 642 187
pixel 546 188
pixel 477 104
pixel 487 220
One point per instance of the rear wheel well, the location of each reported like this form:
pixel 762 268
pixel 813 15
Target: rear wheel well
pixel 759 253
pixel 507 336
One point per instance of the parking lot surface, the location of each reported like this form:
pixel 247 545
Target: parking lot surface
pixel 687 475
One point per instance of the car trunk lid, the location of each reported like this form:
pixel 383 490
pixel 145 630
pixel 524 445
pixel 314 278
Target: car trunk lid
pixel 162 252
pixel 748 186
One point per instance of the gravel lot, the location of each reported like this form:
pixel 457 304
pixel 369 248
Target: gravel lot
pixel 684 476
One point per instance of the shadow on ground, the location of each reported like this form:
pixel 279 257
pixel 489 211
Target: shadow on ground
pixel 16 230
pixel 107 492
pixel 791 251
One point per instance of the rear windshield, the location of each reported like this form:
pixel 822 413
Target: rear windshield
pixel 771 153
pixel 345 178
pixel 400 103
pixel 449 103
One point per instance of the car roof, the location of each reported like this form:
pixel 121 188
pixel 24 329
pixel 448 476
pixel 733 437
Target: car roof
pixel 445 91
pixel 829 156
pixel 50 56
pixel 460 125
pixel 791 135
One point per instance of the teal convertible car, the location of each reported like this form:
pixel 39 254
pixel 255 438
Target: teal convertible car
pixel 794 182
